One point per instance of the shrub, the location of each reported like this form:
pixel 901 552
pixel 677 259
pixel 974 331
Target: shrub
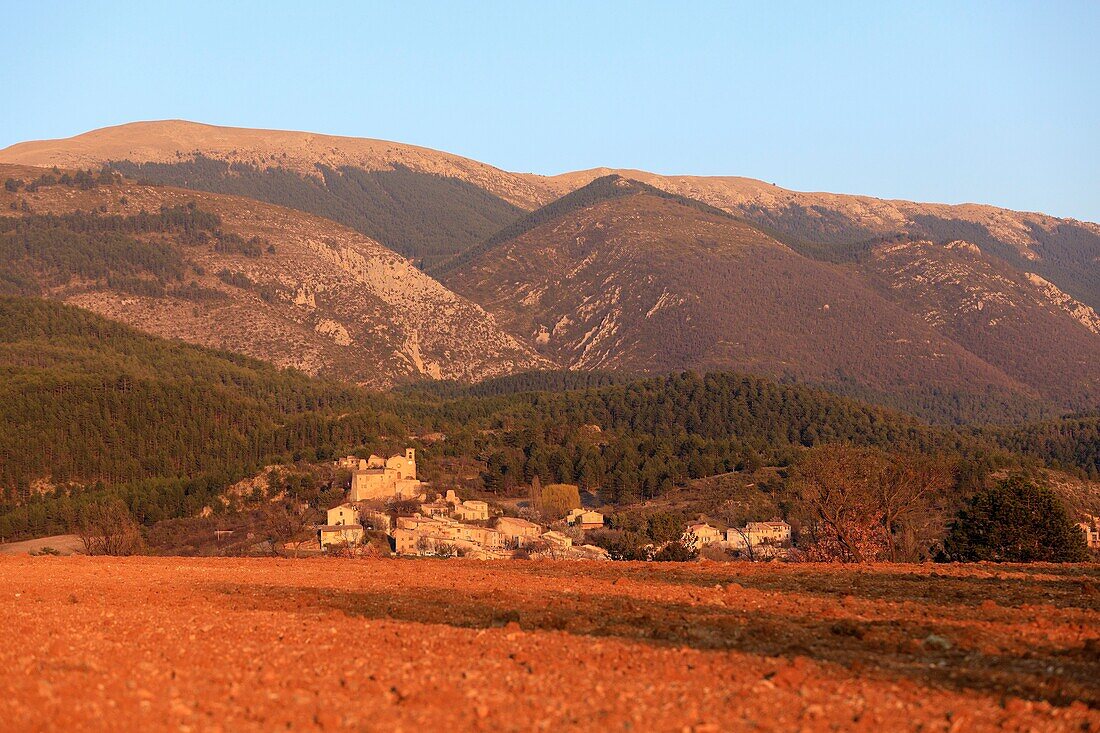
pixel 106 527
pixel 556 500
pixel 865 505
pixel 675 552
pixel 1014 520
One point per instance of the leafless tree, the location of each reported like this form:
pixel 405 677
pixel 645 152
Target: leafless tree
pixel 106 527
pixel 908 493
pixel 286 521
pixel 865 505
pixel 750 550
pixel 534 495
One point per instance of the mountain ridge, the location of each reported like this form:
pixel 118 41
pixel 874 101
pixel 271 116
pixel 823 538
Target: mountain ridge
pixel 113 142
pixel 929 269
pixel 1062 250
pixel 167 141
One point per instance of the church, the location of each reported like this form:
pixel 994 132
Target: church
pixel 382 478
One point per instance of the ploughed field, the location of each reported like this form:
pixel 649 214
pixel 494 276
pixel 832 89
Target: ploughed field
pixel 266 644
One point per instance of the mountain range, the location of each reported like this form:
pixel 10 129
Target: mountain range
pixel 390 262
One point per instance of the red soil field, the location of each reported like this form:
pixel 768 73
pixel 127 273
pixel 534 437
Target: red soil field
pixel 264 644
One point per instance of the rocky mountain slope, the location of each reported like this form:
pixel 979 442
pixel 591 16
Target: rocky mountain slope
pixel 825 225
pixel 366 183
pixel 836 227
pixel 269 282
pixel 633 279
pixel 1016 320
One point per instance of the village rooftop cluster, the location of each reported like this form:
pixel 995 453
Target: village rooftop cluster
pixel 443 525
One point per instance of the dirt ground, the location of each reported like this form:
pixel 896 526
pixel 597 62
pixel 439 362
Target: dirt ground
pixel 403 645
pixel 65 544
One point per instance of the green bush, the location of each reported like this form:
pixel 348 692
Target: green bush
pixel 675 552
pixel 1014 520
pixel 556 500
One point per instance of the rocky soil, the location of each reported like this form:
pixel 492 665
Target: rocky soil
pixel 230 644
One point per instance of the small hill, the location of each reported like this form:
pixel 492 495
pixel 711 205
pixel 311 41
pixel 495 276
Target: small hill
pixel 233 273
pixel 621 278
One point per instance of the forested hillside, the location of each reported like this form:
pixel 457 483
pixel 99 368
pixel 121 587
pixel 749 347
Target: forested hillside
pixel 638 439
pixel 38 252
pixel 1071 444
pixel 85 401
pixel 89 406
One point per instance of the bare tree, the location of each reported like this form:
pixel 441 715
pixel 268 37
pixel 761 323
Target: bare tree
pixel 285 521
pixel 865 505
pixel 749 549
pixel 836 486
pixel 908 493
pixel 106 527
pixel 534 495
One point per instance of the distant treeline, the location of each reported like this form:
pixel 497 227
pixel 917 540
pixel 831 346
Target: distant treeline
pixel 83 179
pixel 559 380
pixel 636 440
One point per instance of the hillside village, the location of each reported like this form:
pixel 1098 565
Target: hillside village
pixel 386 499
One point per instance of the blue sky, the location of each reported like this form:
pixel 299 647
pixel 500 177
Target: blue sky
pixel 990 102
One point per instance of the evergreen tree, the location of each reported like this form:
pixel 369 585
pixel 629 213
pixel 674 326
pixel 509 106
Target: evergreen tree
pixel 1014 520
pixel 535 494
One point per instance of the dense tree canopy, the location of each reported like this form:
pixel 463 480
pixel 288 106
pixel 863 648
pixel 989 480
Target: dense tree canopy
pixel 1014 520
